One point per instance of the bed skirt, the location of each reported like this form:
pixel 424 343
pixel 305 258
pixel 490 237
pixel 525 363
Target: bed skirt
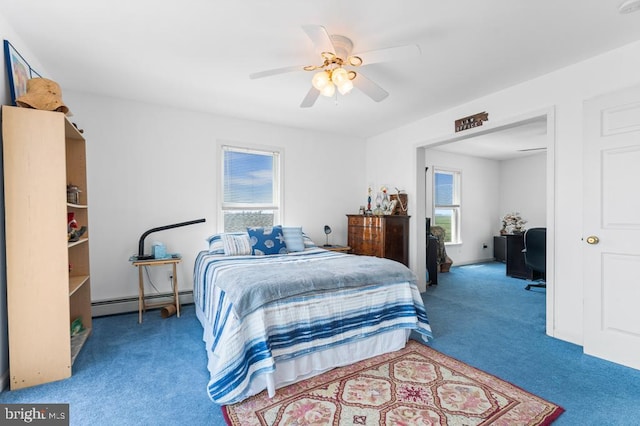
pixel 296 369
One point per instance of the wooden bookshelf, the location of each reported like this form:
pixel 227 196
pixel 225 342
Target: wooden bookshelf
pixel 48 279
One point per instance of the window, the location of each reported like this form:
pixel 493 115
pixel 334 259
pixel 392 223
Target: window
pixel 446 209
pixel 251 188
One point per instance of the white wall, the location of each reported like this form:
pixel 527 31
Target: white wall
pixel 150 166
pixel 523 184
pixel 565 90
pixel 480 194
pixel 490 189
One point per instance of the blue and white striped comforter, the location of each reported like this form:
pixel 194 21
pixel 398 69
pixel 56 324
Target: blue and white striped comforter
pixel 293 319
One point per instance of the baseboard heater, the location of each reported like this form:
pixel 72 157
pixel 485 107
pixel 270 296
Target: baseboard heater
pixel 130 304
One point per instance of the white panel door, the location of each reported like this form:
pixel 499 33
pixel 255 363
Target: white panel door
pixel 612 227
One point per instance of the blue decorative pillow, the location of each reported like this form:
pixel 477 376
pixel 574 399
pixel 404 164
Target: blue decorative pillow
pixel 293 238
pixel 265 241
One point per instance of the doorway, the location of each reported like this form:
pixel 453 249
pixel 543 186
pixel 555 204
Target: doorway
pixel 547 117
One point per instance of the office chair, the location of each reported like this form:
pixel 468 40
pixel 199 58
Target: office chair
pixel 535 253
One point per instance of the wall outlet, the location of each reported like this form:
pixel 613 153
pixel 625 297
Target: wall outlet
pixel 484 245
pixel 170 275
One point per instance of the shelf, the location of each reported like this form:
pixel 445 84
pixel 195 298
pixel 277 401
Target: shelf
pixel 75 282
pixel 71 132
pixel 77 342
pixel 80 241
pixel 43 297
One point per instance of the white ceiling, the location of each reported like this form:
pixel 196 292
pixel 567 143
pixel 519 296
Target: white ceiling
pixel 198 54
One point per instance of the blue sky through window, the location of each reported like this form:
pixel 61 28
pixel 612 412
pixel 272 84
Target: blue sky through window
pixel 248 177
pixel 444 189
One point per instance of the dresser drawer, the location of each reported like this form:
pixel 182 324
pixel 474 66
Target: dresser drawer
pixel 367 248
pixel 365 221
pixel 381 236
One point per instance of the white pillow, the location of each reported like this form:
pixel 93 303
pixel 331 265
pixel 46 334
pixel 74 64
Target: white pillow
pixel 216 243
pixel 293 238
pixel 236 245
pixel 216 246
pixel 308 242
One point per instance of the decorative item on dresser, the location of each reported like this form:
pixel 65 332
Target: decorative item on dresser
pixel 382 236
pixel 402 202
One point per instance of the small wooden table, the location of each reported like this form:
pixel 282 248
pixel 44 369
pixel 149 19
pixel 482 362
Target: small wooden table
pixel 142 305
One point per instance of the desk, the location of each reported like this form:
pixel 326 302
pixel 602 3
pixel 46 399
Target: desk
pixel 142 305
pixel 500 248
pixel 516 266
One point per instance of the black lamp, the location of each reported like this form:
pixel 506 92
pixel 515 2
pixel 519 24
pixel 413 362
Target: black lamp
pixel 141 255
pixel 327 230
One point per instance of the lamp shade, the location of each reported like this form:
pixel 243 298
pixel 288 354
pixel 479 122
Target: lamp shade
pixel 345 87
pixel 328 90
pixel 321 80
pixel 339 76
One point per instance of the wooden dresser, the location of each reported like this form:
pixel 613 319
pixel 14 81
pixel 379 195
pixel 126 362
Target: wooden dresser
pixel 381 236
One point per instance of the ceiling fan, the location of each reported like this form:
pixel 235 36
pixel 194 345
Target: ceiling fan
pixel 335 72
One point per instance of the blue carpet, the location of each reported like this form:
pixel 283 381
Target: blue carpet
pixel 155 373
pixel 481 317
pixel 152 373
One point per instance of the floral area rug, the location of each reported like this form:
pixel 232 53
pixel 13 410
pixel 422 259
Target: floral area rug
pixel 413 386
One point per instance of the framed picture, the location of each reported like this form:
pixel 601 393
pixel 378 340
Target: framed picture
pixel 18 70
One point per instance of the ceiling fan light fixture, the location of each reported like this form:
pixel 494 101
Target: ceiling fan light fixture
pixel 321 79
pixel 328 90
pixel 354 61
pixel 339 76
pixel 328 56
pixel 345 87
pixel 335 51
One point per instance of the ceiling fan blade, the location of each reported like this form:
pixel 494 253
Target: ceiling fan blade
pixel 389 54
pixel 320 38
pixel 370 88
pixel 544 148
pixel 276 71
pixel 310 98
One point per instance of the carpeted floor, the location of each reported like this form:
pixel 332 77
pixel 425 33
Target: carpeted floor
pixel 155 373
pixel 483 318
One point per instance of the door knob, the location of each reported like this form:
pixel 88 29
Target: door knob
pixel 592 239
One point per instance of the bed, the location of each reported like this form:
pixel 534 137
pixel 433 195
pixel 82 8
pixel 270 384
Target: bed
pixel 273 320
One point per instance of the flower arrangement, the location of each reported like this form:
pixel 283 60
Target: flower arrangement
pixel 512 223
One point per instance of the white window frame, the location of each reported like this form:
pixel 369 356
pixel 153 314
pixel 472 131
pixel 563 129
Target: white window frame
pixel 456 204
pixel 276 206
